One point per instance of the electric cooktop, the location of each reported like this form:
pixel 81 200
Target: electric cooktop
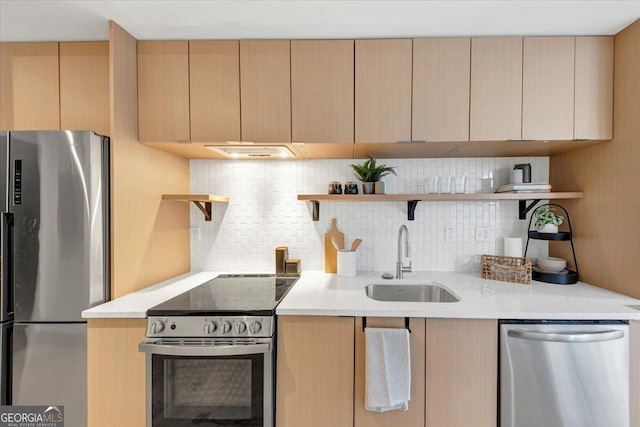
pixel 229 294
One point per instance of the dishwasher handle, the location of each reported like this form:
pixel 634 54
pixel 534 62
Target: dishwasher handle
pixel 567 337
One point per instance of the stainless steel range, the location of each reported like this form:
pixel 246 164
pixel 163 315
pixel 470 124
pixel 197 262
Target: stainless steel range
pixel 210 353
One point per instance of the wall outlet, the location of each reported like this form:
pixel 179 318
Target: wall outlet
pixel 196 234
pixel 482 234
pixel 449 233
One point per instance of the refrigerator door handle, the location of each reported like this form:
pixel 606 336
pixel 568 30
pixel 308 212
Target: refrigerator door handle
pixel 7 277
pixel 564 337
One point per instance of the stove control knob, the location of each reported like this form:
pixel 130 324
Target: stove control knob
pixel 225 327
pixel 255 327
pixel 240 327
pixel 157 327
pixel 210 327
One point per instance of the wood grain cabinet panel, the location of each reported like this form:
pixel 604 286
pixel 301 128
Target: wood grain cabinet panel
pixel 322 80
pixel 29 86
pixel 594 88
pixel 441 75
pixel 462 372
pixel 548 88
pixel 84 86
pixel 383 90
pixel 163 91
pixel 116 373
pixel 214 87
pixel 315 371
pixel 414 417
pixel 496 89
pixel 265 82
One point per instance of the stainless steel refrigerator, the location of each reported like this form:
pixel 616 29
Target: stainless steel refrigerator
pixel 55 246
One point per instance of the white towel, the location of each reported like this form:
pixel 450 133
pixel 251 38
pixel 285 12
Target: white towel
pixel 388 369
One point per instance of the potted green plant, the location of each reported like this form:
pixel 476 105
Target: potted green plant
pixel 370 172
pixel 546 219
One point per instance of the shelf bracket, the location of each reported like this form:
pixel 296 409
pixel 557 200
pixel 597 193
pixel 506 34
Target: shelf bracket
pixel 206 209
pixel 524 209
pixel 411 208
pixel 316 210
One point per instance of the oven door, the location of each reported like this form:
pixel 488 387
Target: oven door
pixel 208 382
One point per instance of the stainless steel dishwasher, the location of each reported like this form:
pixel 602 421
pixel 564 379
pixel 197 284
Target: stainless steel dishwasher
pixel 562 374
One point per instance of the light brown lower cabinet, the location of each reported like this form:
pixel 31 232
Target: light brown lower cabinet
pixel 462 373
pixel 454 373
pixel 116 373
pixel 315 371
pixel 414 417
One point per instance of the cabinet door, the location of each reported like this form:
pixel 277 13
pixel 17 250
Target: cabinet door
pixel 496 88
pixel 383 90
pixel 548 88
pixel 594 88
pixel 414 417
pixel 84 86
pixel 214 86
pixel 315 371
pixel 163 91
pixel 441 89
pixel 29 86
pixel 322 90
pixel 462 372
pixel 265 84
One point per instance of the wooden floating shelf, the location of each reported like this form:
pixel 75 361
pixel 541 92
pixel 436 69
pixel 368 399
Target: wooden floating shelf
pixel 202 201
pixel 413 199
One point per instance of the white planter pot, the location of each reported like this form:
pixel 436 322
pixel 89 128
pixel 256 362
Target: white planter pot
pixel 549 228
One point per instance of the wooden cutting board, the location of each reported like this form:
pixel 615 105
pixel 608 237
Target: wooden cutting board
pixel 330 253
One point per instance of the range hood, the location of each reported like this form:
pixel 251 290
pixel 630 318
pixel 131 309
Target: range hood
pixel 251 151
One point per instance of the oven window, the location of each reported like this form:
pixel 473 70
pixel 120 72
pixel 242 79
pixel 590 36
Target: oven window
pixel 207 391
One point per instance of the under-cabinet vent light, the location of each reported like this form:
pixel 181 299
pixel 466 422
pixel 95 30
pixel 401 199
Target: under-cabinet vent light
pixel 253 151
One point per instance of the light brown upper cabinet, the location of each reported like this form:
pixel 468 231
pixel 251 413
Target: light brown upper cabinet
pixel 594 88
pixel 383 90
pixel 84 86
pixel 265 79
pixel 548 88
pixel 163 91
pixel 214 85
pixel 441 68
pixel 29 86
pixel 496 88
pixel 322 90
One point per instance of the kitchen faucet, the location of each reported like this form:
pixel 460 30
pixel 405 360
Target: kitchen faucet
pixel 400 268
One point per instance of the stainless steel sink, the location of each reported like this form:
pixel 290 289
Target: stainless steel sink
pixel 410 292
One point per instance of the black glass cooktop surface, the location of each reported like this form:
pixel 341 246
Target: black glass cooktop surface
pixel 229 295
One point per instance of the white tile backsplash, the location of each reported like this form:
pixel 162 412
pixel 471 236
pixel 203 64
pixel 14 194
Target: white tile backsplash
pixel 263 213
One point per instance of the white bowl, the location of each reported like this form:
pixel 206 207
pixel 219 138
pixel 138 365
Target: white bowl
pixel 552 264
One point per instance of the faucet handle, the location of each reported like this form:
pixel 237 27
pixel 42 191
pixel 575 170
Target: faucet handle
pixel 407 269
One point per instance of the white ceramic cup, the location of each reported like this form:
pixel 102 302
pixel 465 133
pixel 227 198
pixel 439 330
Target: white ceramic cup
pixel 445 184
pixel 346 263
pixel 431 184
pixel 460 182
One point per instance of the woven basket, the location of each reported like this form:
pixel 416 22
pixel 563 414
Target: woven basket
pixel 506 269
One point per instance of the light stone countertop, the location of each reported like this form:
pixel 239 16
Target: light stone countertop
pixel 321 294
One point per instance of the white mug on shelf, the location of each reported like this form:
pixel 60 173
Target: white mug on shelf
pixel 431 184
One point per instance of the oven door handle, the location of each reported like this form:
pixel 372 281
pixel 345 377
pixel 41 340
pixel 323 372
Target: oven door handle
pixel 222 350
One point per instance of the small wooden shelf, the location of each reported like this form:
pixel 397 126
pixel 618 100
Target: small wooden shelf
pixel 413 199
pixel 202 201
